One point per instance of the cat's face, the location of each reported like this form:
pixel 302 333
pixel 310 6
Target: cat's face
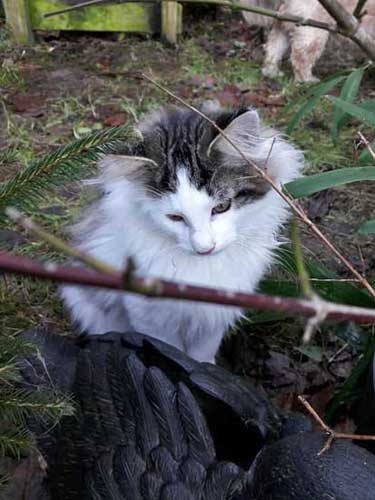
pixel 200 223
pixel 193 185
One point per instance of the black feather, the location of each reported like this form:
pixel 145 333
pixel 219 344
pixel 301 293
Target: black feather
pixel 161 394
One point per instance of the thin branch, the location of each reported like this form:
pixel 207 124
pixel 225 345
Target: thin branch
pixel 57 243
pixel 300 21
pixel 350 27
pixel 314 322
pixel 359 8
pixel 162 289
pixel 78 6
pixel 331 433
pixel 294 206
pixel 367 144
pixel 347 24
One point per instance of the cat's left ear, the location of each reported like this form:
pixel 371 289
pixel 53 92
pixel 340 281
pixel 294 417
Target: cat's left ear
pixel 115 167
pixel 242 131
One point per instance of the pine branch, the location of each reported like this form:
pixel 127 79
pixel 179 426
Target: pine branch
pixel 16 405
pixel 64 164
pixel 13 441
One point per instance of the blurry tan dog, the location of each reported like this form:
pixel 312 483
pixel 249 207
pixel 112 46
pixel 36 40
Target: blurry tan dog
pixel 306 43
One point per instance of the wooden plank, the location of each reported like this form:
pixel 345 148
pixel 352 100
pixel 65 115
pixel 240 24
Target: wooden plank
pixel 131 17
pixel 17 16
pixel 171 15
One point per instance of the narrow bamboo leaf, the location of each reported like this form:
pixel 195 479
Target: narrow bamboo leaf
pixel 315 183
pixel 367 227
pixel 368 104
pixel 365 157
pixel 364 114
pixel 348 93
pixel 313 97
pixel 324 282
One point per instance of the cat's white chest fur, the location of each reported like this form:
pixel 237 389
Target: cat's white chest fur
pixel 180 236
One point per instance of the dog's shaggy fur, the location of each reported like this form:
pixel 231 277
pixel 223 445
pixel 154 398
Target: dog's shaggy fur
pixel 306 43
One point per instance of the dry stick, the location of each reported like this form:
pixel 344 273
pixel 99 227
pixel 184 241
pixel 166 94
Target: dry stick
pixel 28 224
pixel 332 434
pixel 294 206
pixel 163 289
pixel 367 144
pixel 349 26
pixel 300 21
pixel 359 8
pixel 79 6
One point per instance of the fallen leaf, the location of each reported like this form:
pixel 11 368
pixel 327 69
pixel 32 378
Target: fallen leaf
pixel 29 104
pixel 115 120
pixel 319 205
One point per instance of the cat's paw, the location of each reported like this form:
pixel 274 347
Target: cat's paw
pixel 307 79
pixel 272 71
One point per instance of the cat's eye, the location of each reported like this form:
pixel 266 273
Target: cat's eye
pixel 222 207
pixel 176 217
pixel 244 193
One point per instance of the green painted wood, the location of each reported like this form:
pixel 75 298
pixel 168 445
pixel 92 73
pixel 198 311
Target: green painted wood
pixel 169 21
pixel 17 16
pixel 131 17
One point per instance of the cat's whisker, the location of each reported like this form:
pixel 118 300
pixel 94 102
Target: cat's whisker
pixel 154 191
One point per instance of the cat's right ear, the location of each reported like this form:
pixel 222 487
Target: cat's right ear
pixel 116 167
pixel 242 131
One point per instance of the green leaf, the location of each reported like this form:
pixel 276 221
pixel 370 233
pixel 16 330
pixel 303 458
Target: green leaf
pixel 313 352
pixel 315 183
pixel 313 96
pixel 352 390
pixel 365 157
pixel 367 227
pixel 364 114
pixel 323 282
pixel 348 93
pixel 351 334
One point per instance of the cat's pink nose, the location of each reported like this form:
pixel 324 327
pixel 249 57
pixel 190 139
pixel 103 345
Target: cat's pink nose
pixel 207 252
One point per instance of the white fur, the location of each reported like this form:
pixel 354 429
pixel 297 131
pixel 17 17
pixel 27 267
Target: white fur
pixel 307 44
pixel 130 223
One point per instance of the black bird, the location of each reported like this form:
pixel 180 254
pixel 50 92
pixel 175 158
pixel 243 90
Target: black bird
pixel 153 424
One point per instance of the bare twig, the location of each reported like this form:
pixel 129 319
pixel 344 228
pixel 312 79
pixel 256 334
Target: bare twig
pixel 314 322
pixel 331 433
pixel 294 206
pixel 78 6
pixel 350 27
pixel 300 21
pixel 367 144
pixel 57 243
pixel 359 8
pixel 347 24
pixel 162 289
pixel 337 353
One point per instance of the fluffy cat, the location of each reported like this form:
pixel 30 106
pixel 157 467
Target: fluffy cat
pixel 307 44
pixel 186 207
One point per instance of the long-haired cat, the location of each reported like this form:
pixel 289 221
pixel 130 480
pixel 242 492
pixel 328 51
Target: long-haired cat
pixel 186 207
pixel 307 44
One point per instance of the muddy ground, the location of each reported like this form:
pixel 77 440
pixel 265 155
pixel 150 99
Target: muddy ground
pixel 71 83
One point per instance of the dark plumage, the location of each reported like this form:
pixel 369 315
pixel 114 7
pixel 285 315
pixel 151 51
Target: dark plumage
pixel 153 424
